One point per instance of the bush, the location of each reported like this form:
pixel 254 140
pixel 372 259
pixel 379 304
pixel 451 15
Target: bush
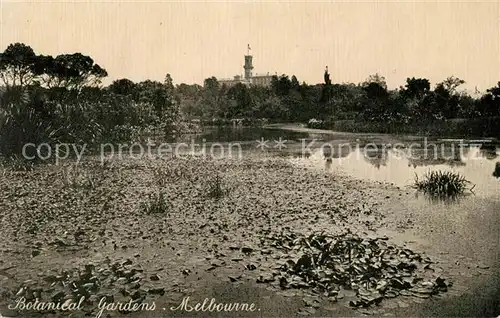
pixel 443 184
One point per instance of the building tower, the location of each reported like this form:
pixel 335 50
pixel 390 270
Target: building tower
pixel 248 65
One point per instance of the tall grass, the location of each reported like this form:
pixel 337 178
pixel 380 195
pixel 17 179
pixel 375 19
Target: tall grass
pixel 443 184
pixel 156 203
pixel 72 176
pixel 216 188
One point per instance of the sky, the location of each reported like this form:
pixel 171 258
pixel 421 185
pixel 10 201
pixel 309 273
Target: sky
pixel 195 40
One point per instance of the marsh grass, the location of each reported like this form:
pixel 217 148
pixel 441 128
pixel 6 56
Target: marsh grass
pixel 165 175
pixel 446 184
pixel 73 176
pixel 156 203
pixel 17 163
pixel 216 189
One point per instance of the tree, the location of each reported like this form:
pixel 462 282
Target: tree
pixel 295 83
pixel 123 86
pixel 327 91
pixel 376 100
pixel 189 91
pixel 284 85
pixel 241 94
pixel 18 65
pixel 155 93
pixel 489 104
pixel 376 78
pixel 72 71
pixel 274 84
pixel 211 84
pixel 210 96
pixel 169 82
pixel 416 88
pixel 327 77
pixel 451 84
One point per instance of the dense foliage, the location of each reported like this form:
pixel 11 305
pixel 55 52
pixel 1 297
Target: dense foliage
pixel 371 105
pixel 59 100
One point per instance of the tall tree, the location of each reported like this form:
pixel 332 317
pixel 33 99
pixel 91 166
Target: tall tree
pixel 376 78
pixel 72 71
pixel 18 65
pixel 123 86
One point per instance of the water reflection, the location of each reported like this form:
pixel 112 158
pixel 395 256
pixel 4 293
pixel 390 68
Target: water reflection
pixel 442 200
pixel 489 154
pixel 344 152
pixel 230 134
pixel 496 172
pixel 376 158
pixel 396 167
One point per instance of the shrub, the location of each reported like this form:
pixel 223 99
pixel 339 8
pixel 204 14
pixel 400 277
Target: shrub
pixel 443 184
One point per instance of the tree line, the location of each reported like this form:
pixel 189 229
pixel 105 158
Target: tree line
pixel 62 99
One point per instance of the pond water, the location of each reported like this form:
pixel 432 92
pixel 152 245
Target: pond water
pixel 465 229
pixel 371 157
pixel 392 167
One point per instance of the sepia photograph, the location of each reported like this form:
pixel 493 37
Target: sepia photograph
pixel 249 158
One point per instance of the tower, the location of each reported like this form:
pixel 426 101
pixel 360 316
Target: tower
pixel 327 77
pixel 248 64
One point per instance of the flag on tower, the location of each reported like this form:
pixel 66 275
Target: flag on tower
pixel 249 47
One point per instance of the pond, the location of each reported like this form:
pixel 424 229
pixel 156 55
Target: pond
pixel 377 157
pixel 463 234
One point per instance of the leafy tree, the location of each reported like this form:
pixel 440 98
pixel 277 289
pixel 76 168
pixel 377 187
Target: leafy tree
pixel 416 88
pixel 489 104
pixel 284 85
pixel 376 101
pixel 376 78
pixel 72 71
pixel 18 65
pixel 189 91
pixel 169 82
pixel 274 84
pixel 451 84
pixel 241 95
pixel 327 91
pixel 123 86
pixel 295 83
pixel 210 100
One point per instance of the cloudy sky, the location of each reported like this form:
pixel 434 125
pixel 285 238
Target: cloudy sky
pixel 195 40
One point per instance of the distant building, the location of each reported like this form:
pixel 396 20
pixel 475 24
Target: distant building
pixel 248 78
